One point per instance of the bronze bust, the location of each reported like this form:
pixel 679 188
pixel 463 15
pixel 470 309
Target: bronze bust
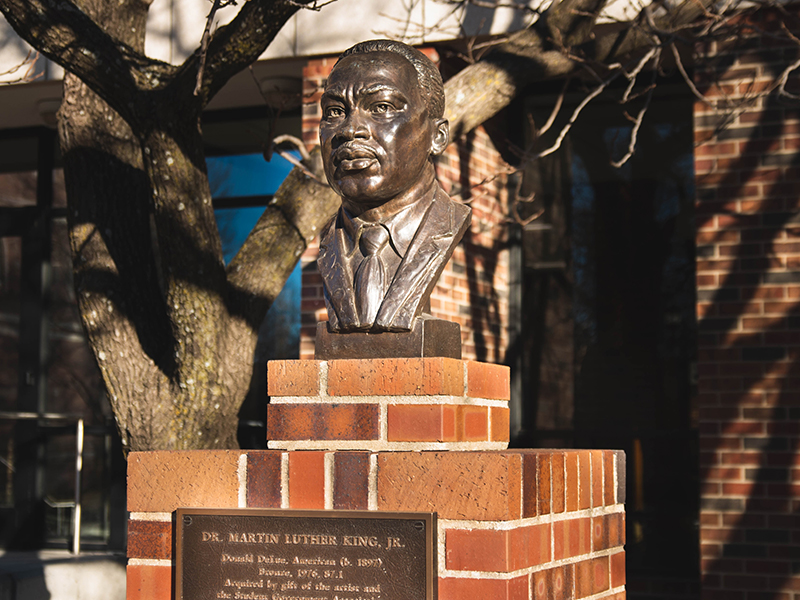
pixel 382 124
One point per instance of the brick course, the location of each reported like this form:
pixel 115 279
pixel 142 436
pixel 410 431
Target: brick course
pixel 382 404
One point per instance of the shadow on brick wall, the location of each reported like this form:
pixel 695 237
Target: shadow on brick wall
pixel 749 323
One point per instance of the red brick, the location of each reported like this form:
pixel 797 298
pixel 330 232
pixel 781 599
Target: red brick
pixel 530 546
pixel 488 381
pixel 544 484
pixel 585 475
pixel 351 481
pixel 554 584
pixel 608 531
pixel 609 491
pixel 472 424
pixel 421 423
pixel 307 480
pixel 572 537
pixel 715 149
pixel 149 582
pixel 323 421
pixel 458 485
pixel 557 479
pixel 591 577
pixel 497 551
pixel 617 569
pixel 483 589
pixel 500 424
pixel 264 479
pixel 396 377
pixel 477 550
pixel 293 378
pixel 597 478
pixel 571 483
pixel 162 481
pixel 149 539
pixel 530 485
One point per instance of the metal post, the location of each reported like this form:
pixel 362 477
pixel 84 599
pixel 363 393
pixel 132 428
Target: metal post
pixel 76 534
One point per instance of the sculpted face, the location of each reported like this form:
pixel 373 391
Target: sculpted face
pixel 376 133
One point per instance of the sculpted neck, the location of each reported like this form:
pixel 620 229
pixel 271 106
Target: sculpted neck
pixel 423 189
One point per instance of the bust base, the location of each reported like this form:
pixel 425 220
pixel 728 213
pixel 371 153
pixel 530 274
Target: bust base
pixel 430 337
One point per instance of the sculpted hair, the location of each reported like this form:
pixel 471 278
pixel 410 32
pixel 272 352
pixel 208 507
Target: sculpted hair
pixel 428 76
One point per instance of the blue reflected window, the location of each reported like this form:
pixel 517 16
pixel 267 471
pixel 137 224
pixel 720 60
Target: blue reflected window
pixel 242 185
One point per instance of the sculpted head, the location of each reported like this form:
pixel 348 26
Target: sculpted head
pixel 381 124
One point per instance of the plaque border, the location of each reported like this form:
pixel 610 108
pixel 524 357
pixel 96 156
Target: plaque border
pixel 431 534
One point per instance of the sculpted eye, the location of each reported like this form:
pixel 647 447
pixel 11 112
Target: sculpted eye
pixel 333 112
pixel 382 107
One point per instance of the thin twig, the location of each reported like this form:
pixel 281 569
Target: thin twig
pixel 637 124
pixel 29 63
pixel 784 78
pixel 556 109
pixel 655 51
pixel 557 144
pixel 204 42
pixel 315 6
pixel 294 141
pixel 685 75
pixel 301 148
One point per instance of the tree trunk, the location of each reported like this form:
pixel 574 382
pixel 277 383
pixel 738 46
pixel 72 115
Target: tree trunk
pixel 150 280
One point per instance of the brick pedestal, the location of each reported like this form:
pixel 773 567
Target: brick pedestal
pixel 513 524
pixel 388 404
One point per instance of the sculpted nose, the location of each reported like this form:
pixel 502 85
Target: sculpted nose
pixel 355 127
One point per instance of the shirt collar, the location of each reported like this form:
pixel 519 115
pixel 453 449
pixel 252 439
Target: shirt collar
pixel 402 225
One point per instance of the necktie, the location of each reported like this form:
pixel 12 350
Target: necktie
pixel 371 275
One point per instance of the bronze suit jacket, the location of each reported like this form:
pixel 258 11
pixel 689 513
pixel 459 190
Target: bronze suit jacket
pixel 440 230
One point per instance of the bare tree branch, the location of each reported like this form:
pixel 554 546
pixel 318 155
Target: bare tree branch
pixel 481 90
pixel 235 46
pixel 67 36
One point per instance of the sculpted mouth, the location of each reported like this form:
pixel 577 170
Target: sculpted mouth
pixel 354 158
pixel 356 164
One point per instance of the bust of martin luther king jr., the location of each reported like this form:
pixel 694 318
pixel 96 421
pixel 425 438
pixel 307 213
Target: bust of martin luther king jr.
pixel 382 125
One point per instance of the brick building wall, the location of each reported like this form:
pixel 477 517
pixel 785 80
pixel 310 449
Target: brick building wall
pixel 748 302
pixel 473 290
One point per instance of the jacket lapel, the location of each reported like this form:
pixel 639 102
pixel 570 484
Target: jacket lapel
pixel 442 227
pixel 337 277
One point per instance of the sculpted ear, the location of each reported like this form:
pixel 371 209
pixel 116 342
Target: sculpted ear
pixel 441 137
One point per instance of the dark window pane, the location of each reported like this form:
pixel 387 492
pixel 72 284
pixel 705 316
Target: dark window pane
pixel 74 385
pixel 10 248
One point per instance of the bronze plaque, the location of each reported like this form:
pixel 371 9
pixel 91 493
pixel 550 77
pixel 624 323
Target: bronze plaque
pixel 253 554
